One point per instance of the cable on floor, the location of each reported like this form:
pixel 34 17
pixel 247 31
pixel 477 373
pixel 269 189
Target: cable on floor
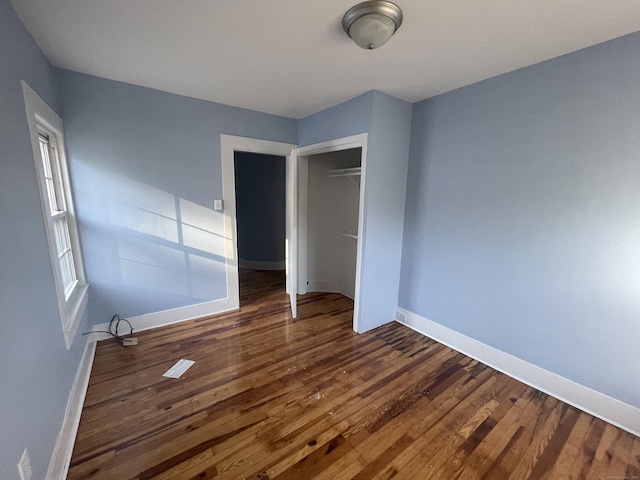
pixel 114 325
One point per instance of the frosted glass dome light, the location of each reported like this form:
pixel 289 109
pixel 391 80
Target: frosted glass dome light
pixel 371 24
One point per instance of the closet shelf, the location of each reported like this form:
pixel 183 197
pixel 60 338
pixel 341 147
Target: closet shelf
pixel 347 234
pixel 345 172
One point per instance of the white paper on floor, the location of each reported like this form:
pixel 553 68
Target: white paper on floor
pixel 179 368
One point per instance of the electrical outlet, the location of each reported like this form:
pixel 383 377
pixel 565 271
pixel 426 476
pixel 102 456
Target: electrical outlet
pixel 401 316
pixel 24 466
pixel 129 342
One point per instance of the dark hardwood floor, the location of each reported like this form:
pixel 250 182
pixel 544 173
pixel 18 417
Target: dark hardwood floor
pixel 273 398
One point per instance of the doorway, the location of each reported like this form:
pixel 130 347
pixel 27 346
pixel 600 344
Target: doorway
pixel 296 202
pixel 260 181
pixel 332 211
pixel 331 240
pixel 229 145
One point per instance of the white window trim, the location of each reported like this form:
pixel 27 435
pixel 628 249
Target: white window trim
pixel 72 310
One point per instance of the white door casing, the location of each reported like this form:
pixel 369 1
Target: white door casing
pixel 291 250
pixel 229 144
pixel 355 141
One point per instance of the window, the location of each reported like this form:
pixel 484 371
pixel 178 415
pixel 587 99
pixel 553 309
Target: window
pixel 46 130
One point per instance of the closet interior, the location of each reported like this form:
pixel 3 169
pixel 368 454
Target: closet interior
pixel 332 217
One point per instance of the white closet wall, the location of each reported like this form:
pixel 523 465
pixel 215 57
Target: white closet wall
pixel 332 221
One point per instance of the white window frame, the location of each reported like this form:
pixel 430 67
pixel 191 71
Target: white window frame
pixel 73 302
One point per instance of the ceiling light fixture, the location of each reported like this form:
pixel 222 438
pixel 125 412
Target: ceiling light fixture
pixel 370 24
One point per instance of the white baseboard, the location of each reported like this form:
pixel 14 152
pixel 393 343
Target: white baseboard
pixel 61 458
pixel 591 401
pixel 258 265
pixel 169 317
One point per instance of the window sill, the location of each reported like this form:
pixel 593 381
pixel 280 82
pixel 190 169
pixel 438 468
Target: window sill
pixel 77 309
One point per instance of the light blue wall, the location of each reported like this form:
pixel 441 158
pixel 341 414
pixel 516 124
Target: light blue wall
pixel 146 168
pixel 387 121
pixel 349 118
pixel 260 206
pixel 523 215
pixel 37 370
pixel 384 204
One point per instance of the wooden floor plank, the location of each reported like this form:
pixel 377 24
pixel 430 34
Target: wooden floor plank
pixel 633 465
pixel 271 397
pixel 612 455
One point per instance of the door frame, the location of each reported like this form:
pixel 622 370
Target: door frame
pixel 229 144
pixel 303 154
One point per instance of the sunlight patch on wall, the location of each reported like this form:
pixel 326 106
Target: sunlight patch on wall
pixel 144 264
pixel 153 242
pixel 143 208
pixel 202 228
pixel 143 221
pixel 205 275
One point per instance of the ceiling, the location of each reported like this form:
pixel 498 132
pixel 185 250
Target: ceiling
pixel 291 57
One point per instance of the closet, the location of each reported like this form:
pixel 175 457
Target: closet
pixel 332 216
